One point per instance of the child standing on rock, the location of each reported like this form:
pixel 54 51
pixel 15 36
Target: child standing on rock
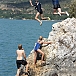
pixel 38 50
pixel 20 55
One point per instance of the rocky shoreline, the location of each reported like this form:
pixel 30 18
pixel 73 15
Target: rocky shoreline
pixel 61 54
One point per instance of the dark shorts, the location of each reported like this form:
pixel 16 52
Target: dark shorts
pixel 41 12
pixel 19 62
pixel 56 6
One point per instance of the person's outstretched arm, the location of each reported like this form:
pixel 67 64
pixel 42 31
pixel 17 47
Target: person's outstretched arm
pixel 43 42
pixel 31 2
pixel 47 42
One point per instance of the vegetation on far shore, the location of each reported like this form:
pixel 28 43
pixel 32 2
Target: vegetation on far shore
pixel 21 9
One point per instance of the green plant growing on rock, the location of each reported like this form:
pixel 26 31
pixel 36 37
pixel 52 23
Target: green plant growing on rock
pixel 72 10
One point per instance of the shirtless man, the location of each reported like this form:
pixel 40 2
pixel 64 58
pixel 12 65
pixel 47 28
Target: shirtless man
pixel 37 48
pixel 20 55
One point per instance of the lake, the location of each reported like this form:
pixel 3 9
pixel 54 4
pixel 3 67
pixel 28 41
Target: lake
pixel 14 32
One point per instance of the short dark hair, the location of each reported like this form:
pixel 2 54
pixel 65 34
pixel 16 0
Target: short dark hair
pixel 20 46
pixel 36 0
pixel 40 38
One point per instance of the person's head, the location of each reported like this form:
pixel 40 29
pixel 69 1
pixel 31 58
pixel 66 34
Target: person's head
pixel 40 38
pixel 19 46
pixel 36 1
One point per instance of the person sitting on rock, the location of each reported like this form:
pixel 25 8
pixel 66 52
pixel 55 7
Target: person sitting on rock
pixel 38 50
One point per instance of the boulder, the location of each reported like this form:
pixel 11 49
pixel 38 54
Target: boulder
pixel 60 56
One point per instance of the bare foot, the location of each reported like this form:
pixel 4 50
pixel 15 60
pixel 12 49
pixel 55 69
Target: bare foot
pixel 40 23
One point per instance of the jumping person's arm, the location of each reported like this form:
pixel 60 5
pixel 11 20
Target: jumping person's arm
pixel 31 2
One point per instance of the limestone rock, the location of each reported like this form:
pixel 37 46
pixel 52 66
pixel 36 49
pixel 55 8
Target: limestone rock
pixel 61 54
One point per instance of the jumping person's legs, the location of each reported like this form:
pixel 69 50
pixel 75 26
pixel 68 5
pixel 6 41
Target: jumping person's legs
pixel 60 12
pixel 36 17
pixel 44 18
pixel 57 7
pixel 54 11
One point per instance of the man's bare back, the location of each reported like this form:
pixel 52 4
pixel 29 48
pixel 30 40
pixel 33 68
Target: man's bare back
pixel 20 54
pixel 21 59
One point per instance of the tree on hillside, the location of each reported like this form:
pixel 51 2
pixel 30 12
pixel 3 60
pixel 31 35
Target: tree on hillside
pixel 72 10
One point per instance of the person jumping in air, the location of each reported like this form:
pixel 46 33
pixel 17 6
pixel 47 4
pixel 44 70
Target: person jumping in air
pixel 39 11
pixel 37 49
pixel 56 7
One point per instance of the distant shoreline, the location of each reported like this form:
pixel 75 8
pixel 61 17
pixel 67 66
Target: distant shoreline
pixel 29 19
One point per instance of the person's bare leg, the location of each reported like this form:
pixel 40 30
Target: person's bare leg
pixel 54 11
pixel 59 10
pixel 36 17
pixel 35 55
pixel 42 17
pixel 42 58
pixel 27 68
pixel 18 71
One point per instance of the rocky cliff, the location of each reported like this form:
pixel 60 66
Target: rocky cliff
pixel 61 54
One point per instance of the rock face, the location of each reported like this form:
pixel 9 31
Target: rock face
pixel 61 54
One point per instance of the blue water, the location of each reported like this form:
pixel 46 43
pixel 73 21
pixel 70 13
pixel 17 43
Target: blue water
pixel 14 32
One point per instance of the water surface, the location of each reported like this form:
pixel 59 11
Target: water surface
pixel 14 32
